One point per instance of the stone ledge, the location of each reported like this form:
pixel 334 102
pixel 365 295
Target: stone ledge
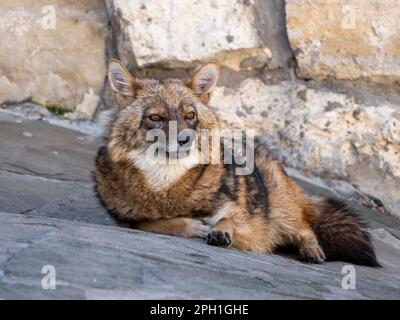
pixel 93 261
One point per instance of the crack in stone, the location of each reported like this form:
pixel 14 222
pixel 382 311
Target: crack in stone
pixel 50 177
pixel 30 210
pixel 29 244
pixel 35 173
pixel 59 203
pixel 33 224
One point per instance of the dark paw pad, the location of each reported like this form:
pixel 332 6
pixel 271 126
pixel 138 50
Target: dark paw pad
pixel 312 254
pixel 219 238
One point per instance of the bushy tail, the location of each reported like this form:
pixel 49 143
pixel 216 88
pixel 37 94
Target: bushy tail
pixel 342 235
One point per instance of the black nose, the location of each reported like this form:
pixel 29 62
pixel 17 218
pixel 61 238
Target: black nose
pixel 183 142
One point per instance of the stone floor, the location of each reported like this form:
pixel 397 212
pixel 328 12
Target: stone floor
pixel 49 215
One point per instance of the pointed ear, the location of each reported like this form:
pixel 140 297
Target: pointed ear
pixel 204 80
pixel 123 84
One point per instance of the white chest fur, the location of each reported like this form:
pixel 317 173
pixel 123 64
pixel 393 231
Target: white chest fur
pixel 161 172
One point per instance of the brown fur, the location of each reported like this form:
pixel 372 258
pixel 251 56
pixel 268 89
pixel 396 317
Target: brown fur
pixel 257 212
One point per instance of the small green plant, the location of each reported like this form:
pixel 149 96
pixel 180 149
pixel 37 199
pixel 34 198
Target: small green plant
pixel 56 109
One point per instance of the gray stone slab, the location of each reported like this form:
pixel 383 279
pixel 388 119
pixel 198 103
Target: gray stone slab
pixel 94 261
pixel 82 207
pixel 38 148
pixel 46 170
pixel 21 193
pixel 71 200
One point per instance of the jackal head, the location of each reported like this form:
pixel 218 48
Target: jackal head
pixel 167 117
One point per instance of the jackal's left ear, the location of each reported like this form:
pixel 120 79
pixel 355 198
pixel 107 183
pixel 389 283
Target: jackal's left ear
pixel 123 84
pixel 204 80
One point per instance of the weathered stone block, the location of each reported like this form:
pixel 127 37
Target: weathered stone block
pixel 177 33
pixel 345 39
pixel 53 52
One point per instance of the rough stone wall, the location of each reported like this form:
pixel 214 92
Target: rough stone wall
pixel 317 79
pixel 53 63
pixel 345 39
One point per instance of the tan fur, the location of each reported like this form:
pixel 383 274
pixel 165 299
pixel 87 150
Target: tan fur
pixel 185 227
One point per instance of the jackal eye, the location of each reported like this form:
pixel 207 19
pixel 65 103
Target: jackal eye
pixel 190 116
pixel 155 117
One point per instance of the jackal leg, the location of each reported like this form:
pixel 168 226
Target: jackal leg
pixel 237 228
pixel 309 248
pixel 184 227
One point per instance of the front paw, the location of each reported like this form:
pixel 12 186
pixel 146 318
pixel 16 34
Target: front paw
pixel 219 238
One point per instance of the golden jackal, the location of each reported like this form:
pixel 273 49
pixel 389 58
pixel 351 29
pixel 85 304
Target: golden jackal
pixel 256 212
